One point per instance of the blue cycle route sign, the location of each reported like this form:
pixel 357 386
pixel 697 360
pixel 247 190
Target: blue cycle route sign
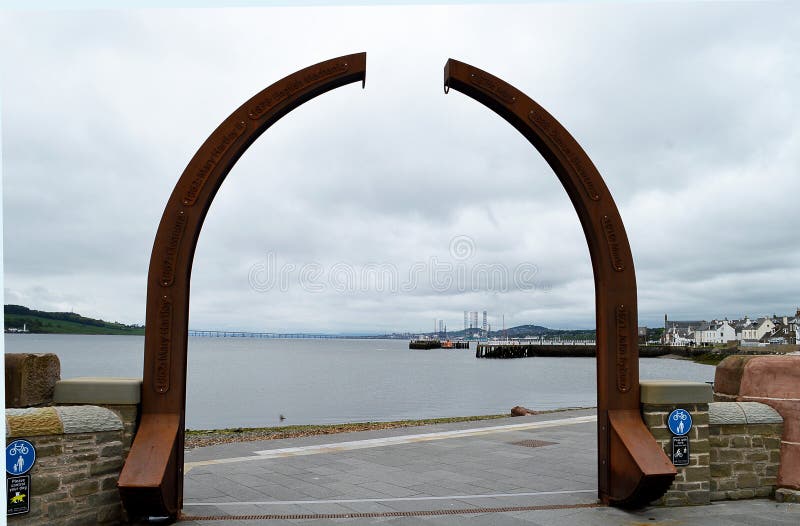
pixel 20 456
pixel 679 422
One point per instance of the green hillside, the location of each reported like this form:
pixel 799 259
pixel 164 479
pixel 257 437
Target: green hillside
pixel 41 322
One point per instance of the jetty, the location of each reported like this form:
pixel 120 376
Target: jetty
pixel 564 349
pixel 274 335
pixel 438 344
pixel 425 344
pixel 511 349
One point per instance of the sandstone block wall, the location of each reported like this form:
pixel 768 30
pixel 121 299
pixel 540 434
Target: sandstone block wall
pixel 79 454
pixel 774 381
pixel 129 415
pixel 734 448
pixel 121 395
pixel 692 485
pixel 745 441
pixel 31 378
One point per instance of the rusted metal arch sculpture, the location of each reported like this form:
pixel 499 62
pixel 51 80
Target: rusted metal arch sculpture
pixel 151 482
pixel 632 468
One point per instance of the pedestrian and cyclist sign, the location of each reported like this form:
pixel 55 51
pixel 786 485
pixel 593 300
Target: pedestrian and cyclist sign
pixel 20 457
pixel 680 422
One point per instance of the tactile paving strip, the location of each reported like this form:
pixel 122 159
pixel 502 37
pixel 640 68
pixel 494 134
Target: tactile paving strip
pixel 310 516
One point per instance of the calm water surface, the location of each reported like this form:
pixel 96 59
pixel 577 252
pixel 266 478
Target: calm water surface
pixel 247 382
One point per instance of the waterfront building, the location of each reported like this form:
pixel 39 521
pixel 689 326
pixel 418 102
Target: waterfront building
pixel 680 332
pixel 715 332
pixel 754 330
pixel 764 330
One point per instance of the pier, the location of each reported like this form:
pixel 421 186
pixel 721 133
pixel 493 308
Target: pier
pixel 528 350
pixel 271 335
pixel 438 344
pixel 425 344
pixel 563 349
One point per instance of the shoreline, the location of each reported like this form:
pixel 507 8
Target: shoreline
pixel 197 438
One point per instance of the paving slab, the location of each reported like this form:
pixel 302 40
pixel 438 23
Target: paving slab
pixel 433 475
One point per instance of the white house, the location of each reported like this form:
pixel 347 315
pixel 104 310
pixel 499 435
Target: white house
pixel 680 332
pixel 745 330
pixel 766 326
pixel 785 332
pixel 681 337
pixel 794 325
pixel 715 332
pixel 723 331
pixel 754 330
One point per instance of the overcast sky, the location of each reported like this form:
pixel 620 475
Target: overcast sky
pixel 691 112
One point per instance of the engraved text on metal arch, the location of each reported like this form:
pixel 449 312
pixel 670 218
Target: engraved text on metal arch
pixel 545 123
pixel 163 361
pixel 614 249
pixel 288 87
pixel 171 252
pixel 209 164
pixel 494 86
pixel 623 351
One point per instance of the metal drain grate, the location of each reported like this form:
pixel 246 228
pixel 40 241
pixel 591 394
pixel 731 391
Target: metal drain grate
pixel 533 443
pixel 424 513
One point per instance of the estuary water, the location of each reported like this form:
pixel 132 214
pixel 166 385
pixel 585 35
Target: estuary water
pixel 248 382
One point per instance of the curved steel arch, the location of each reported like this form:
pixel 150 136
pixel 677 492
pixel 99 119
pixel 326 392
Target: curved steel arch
pixel 151 482
pixel 632 468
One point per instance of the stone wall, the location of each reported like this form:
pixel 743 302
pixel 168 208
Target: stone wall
pixel 31 378
pixel 745 441
pixel 693 482
pixel 121 395
pixel 774 381
pixel 79 454
pixel 81 443
pixel 734 447
pixel 129 415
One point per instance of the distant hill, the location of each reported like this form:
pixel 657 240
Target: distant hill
pixel 41 322
pixel 537 330
pixel 521 331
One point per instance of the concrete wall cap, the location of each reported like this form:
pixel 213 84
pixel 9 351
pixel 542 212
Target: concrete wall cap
pixel 98 390
pixel 38 421
pixel 670 392
pixel 729 413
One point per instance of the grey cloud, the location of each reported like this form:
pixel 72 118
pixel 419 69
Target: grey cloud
pixel 688 110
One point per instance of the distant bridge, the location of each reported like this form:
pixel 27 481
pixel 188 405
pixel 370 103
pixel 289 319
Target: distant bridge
pixel 273 335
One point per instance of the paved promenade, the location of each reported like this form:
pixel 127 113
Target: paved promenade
pixel 527 471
